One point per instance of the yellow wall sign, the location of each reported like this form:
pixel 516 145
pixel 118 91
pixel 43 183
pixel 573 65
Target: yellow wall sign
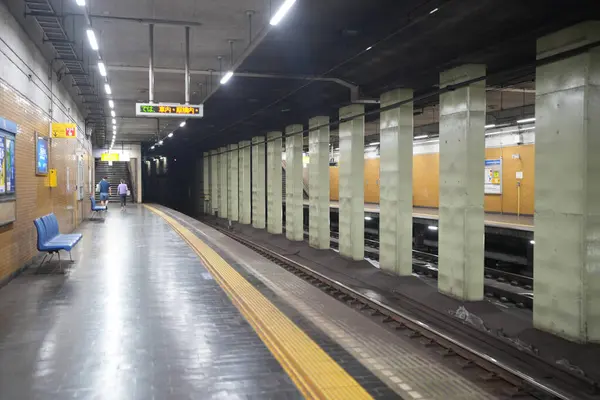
pixel 52 179
pixel 109 157
pixel 64 131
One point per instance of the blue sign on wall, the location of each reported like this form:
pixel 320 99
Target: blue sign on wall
pixel 41 155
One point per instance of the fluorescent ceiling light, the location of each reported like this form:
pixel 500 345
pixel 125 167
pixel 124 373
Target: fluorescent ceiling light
pixel 434 10
pixel 285 7
pixel 433 228
pixel 114 121
pixel 80 3
pixel 182 124
pixel 421 137
pixel 526 120
pixel 226 77
pixel 92 38
pixel 368 48
pixel 113 114
pixel 373 144
pixel 490 126
pixel 170 134
pixel 152 148
pixel 532 241
pixel 107 88
pixel 111 104
pixel 102 68
pixel 160 142
pixel 368 218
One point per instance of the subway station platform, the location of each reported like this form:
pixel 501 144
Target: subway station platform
pixel 160 306
pixel 425 214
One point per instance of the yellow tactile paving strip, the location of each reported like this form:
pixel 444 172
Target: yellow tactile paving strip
pixel 313 371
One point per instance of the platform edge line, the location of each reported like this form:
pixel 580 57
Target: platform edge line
pixel 297 373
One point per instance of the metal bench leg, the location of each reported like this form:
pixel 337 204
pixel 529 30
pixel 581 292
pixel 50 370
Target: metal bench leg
pixel 44 260
pixel 60 268
pixel 70 257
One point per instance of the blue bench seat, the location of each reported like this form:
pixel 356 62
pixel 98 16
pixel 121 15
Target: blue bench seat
pixel 96 209
pixel 50 240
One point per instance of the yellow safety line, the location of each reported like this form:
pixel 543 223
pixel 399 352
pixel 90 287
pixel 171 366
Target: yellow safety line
pixel 314 372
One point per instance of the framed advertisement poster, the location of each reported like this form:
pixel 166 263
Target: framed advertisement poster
pixel 493 176
pixel 41 155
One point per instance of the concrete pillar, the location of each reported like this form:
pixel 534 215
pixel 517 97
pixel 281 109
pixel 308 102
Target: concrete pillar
pixel 258 182
pixel 232 182
pixel 223 212
pixel 567 187
pixel 206 182
pixel 462 159
pixel 318 183
pixel 214 182
pixel 351 181
pixel 274 182
pixel 294 184
pixel 396 160
pixel 244 183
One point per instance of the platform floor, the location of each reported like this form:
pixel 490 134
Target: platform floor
pixel 160 306
pixel 503 221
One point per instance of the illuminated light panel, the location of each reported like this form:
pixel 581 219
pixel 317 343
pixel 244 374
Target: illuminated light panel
pixel 226 77
pixel 102 68
pixel 283 10
pixel 168 110
pixel 92 39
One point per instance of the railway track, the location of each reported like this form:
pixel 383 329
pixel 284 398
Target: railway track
pixel 425 264
pixel 511 371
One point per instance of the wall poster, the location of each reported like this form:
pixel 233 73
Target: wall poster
pixel 41 155
pixel 493 176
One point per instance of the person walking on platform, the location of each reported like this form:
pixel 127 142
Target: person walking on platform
pixel 122 190
pixel 105 191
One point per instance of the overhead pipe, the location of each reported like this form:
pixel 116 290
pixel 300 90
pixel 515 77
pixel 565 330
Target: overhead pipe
pixel 187 65
pixel 151 66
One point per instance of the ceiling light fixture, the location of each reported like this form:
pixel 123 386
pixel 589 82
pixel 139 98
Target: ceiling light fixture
pixel 368 218
pixel 152 148
pixel 102 68
pixel 182 124
pixel 113 114
pixel 526 120
pixel 170 134
pixel 107 88
pixel 92 38
pixel 421 137
pixel 532 241
pixel 433 228
pixel 434 10
pixel 283 10
pixel 114 121
pixel 111 104
pixel 368 48
pixel 80 3
pixel 160 142
pixel 490 126
pixel 226 77
pixel 373 144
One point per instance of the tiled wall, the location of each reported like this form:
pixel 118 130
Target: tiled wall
pixel 28 98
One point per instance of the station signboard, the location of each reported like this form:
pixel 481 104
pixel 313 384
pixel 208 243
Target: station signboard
pixel 167 110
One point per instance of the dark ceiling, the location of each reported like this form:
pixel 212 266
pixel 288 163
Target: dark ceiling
pixel 410 46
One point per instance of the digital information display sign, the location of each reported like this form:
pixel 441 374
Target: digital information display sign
pixel 163 110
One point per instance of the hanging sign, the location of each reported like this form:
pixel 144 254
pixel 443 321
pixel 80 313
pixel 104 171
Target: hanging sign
pixel 109 157
pixel 167 110
pixel 493 176
pixel 64 131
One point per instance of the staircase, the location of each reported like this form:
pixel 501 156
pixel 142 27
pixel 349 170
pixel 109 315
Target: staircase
pixel 115 172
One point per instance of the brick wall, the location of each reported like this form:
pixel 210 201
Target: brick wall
pixel 34 198
pixel 30 99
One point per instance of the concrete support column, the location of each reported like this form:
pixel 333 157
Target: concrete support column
pixel 396 160
pixel 274 183
pixel 567 187
pixel 318 183
pixel 258 182
pixel 462 156
pixel 232 181
pixel 294 184
pixel 206 182
pixel 244 182
pixel 352 183
pixel 223 213
pixel 214 182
